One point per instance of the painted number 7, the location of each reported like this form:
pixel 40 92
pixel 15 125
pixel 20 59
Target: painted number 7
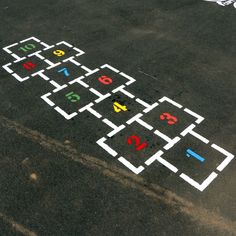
pixel 64 71
pixel 139 146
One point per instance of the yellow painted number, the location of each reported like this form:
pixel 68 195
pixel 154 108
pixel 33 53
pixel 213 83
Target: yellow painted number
pixel 118 107
pixel 59 53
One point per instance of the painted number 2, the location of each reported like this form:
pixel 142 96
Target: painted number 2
pixel 171 120
pixel 139 146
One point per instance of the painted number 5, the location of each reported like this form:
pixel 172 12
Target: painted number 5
pixel 167 116
pixel 139 146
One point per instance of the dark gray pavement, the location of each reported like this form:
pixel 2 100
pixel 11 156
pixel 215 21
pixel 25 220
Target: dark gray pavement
pixel 55 179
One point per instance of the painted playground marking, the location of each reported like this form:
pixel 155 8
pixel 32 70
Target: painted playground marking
pixel 134 133
pixel 223 3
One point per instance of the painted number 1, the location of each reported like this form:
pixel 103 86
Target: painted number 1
pixel 139 146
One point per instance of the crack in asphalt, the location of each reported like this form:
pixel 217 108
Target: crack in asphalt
pixel 18 227
pixel 200 215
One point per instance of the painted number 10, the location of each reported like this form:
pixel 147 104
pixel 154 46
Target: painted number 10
pixel 27 47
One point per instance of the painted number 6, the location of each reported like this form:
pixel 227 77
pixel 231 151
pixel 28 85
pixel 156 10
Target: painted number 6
pixel 139 146
pixel 105 80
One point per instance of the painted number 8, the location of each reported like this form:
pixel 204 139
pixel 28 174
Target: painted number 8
pixel 105 80
pixel 59 53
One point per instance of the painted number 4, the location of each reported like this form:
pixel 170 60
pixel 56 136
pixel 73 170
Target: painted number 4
pixel 118 107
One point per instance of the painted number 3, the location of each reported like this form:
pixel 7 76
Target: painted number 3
pixel 139 146
pixel 167 116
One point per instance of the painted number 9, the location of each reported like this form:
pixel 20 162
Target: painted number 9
pixel 105 80
pixel 59 53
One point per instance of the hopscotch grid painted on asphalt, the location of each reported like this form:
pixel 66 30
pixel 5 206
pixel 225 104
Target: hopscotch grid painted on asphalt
pixel 58 53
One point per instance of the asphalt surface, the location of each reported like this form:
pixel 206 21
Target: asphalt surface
pixel 56 180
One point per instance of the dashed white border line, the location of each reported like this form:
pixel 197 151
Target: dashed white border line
pixel 109 67
pixel 30 38
pixel 9 46
pixel 157 157
pixel 131 79
pixel 47 100
pixel 101 143
pixel 195 184
pixel 134 118
pixel 6 49
pixel 187 130
pixel 41 75
pixel 130 166
pixel 122 90
pixel 79 81
pixel 115 131
pixel 65 114
pixel 227 160
pixel 57 86
pixel 16 76
pixel 91 110
pixel 199 118
pixel 90 72
pixel 198 136
pixel 6 67
pixel 163 99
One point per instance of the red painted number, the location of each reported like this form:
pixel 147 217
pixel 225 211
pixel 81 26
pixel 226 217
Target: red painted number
pixel 105 80
pixel 29 65
pixel 171 119
pixel 139 146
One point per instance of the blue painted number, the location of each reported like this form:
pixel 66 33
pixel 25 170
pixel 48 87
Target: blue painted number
pixel 65 71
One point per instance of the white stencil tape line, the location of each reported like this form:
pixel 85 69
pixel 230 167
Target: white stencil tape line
pixel 170 101
pixel 134 169
pixel 196 185
pixel 101 143
pixel 227 160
